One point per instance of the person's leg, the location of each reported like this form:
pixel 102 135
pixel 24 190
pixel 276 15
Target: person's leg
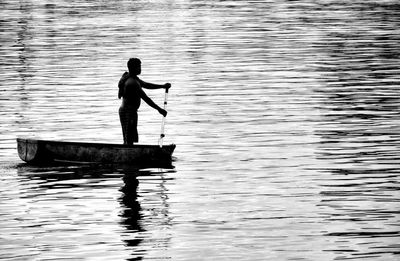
pixel 135 133
pixel 132 133
pixel 124 119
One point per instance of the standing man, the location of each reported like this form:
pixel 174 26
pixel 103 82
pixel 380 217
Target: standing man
pixel 131 92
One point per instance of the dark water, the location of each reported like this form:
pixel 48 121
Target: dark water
pixel 285 115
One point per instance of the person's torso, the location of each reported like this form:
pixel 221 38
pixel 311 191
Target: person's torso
pixel 131 97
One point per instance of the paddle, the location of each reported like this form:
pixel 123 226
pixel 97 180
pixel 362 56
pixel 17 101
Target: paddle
pixel 162 135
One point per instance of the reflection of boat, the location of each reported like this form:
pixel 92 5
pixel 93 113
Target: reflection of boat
pixel 42 151
pixel 82 182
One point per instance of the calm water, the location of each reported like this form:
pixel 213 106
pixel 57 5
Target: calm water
pixel 286 116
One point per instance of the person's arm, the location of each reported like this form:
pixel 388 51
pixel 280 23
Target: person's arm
pixel 150 102
pixel 153 86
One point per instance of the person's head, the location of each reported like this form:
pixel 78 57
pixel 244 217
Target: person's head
pixel 134 66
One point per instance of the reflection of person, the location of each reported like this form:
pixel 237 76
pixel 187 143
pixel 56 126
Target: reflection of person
pixel 131 209
pixel 131 92
pixel 131 206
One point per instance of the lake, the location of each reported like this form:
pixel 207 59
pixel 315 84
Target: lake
pixel 285 115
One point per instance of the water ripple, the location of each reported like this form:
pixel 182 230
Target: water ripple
pixel 285 114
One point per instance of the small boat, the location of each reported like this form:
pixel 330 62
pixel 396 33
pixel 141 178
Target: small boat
pixel 45 151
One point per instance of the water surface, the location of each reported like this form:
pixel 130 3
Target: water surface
pixel 285 115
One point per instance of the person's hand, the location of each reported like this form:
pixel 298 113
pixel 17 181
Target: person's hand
pixel 167 86
pixel 163 112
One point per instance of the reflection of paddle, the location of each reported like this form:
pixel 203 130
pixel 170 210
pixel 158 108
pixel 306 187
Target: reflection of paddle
pixel 162 135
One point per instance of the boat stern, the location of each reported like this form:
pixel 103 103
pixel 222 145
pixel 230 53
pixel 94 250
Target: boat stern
pixel 27 149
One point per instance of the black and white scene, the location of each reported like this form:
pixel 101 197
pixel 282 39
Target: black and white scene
pixel 249 130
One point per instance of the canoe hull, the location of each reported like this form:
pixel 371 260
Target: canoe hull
pixel 40 151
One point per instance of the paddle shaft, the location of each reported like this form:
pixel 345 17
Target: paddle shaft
pixel 162 135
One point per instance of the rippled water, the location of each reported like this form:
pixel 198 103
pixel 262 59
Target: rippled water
pixel 285 115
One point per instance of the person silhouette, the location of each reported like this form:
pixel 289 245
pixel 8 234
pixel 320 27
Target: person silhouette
pixel 131 91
